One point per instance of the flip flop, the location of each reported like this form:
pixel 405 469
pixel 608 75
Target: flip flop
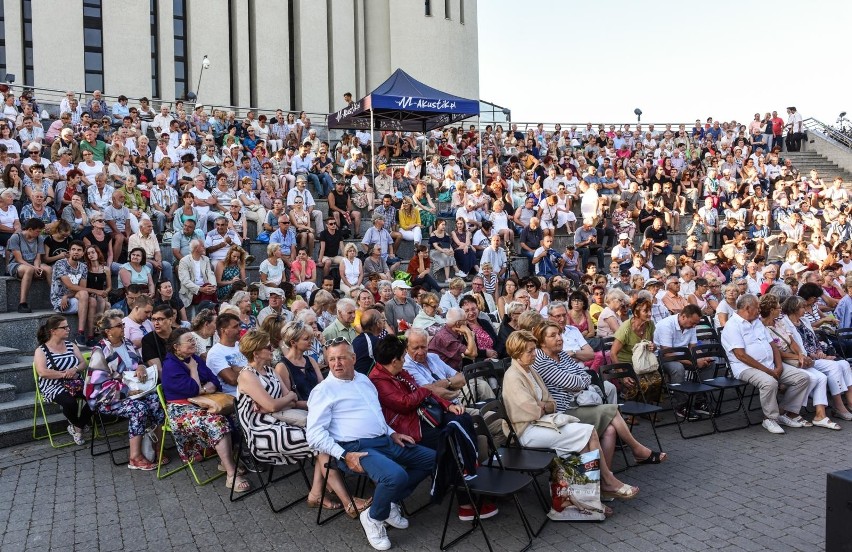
pixel 654 458
pixel 803 421
pixel 625 492
pixel 238 483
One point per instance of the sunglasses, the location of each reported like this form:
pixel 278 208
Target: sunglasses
pixel 336 341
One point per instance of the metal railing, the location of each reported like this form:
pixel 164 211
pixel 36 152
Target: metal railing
pixel 829 132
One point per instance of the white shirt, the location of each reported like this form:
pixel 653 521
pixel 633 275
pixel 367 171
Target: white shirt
pixel 434 370
pixel 306 196
pixel 669 333
pixel 340 411
pixel 572 339
pixel 751 336
pixel 220 357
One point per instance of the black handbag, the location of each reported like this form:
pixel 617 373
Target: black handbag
pixel 430 412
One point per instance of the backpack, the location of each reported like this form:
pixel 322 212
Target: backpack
pixel 644 361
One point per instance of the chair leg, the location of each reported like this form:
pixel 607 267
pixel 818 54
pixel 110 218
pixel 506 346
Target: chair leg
pixel 740 407
pixel 525 521
pixel 39 405
pixel 477 522
pixel 321 521
pixel 98 424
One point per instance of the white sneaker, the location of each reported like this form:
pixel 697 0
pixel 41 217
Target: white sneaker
pixel 789 422
pixel 76 434
pixel 376 533
pixel 772 426
pixel 460 274
pixel 395 518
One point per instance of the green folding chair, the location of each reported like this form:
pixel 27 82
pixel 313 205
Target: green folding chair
pixel 167 428
pixel 38 407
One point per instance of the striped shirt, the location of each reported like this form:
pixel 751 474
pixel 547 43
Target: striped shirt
pixel 564 379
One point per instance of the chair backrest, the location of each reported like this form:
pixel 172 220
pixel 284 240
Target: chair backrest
pixel 598 380
pixel 844 339
pixel 704 333
pixel 682 355
pixel 623 372
pixel 168 425
pixel 606 343
pixel 487 369
pixel 716 352
pixel 498 409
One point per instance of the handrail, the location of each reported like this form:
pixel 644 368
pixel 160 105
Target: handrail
pixel 828 132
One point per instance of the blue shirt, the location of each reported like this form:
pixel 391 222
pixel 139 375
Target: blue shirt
pixel 287 241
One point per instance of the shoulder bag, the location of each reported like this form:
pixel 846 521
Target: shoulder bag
pixel 644 361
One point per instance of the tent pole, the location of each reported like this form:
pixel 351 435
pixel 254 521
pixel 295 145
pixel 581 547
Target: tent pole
pixel 482 174
pixel 372 152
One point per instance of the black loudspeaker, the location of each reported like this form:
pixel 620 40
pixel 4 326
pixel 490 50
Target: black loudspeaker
pixel 838 512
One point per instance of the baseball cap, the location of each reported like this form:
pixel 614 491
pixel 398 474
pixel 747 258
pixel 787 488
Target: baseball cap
pixel 400 284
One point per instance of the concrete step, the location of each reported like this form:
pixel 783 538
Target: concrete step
pixel 21 431
pixel 20 408
pixel 8 354
pixel 19 374
pixel 10 290
pixel 7 392
pixel 19 330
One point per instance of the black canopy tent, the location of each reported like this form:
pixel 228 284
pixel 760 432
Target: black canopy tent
pixel 403 103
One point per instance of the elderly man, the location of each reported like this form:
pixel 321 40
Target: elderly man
pixel 345 421
pixel 219 240
pixel 197 279
pixel 164 203
pixel 455 340
pixel 146 240
pixel 117 218
pixel 401 308
pixel 182 241
pixel 342 326
pixel 275 307
pixel 65 140
pixel 755 359
pixel 379 235
pixel 372 325
pixel 672 299
pixel 429 371
pixel 285 237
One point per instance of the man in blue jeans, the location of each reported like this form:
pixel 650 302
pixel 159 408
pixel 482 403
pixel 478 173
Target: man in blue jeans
pixel 345 421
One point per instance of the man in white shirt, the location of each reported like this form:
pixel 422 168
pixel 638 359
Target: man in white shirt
pixel 224 358
pixel 300 191
pixel 623 252
pixel 162 120
pixel 755 359
pixel 219 240
pixel 345 421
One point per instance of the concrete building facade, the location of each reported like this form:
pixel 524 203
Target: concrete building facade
pixel 289 54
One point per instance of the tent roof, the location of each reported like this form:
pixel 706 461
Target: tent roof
pixel 404 103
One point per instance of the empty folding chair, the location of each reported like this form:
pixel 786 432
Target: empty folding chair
pixel 622 374
pixel 691 387
pixel 723 380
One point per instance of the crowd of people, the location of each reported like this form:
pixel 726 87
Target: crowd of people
pixel 356 339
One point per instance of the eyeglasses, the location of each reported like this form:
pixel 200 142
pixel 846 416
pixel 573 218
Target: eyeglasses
pixel 336 341
pixel 159 319
pixel 119 325
pixel 65 327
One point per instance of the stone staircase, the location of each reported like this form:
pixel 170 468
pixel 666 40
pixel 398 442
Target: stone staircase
pixel 804 161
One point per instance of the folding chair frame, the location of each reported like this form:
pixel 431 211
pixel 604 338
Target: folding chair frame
pixel 723 382
pixel 622 371
pixel 691 387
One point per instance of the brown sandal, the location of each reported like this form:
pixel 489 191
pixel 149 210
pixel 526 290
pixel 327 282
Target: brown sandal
pixel 360 504
pixel 327 503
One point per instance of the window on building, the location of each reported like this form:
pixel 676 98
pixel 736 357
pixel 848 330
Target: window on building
pixel 428 7
pixel 2 42
pixel 155 52
pixel 93 45
pixel 181 69
pixel 461 12
pixel 447 13
pixel 29 65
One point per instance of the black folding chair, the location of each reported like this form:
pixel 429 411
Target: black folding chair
pixel 844 339
pixel 490 481
pixel 99 429
pixel 490 371
pixel 622 372
pixel 691 387
pixel 360 487
pixel 723 380
pixel 707 334
pixel 270 479
pixel 513 456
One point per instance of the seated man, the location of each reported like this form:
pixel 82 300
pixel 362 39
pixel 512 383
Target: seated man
pixel 345 421
pixel 301 192
pixel 342 326
pixel 329 246
pixel 756 359
pixel 68 292
pixel 378 235
pixel 197 279
pixel 224 358
pixel 147 240
pixel 219 240
pixel 401 308
pixel 586 241
pixel 24 252
pixel 275 307
pixel 429 371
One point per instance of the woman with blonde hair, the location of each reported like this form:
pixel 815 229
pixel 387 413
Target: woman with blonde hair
pixel 351 269
pixel 231 270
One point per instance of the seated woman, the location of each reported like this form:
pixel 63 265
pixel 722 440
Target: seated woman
pixel 260 393
pixel 638 327
pixel 428 317
pixel 136 271
pixel 186 375
pixel 565 379
pixel 60 367
pixel 527 400
pixel 297 370
pixel 106 392
pixel 509 325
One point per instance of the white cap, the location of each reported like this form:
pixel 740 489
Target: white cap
pixel 400 284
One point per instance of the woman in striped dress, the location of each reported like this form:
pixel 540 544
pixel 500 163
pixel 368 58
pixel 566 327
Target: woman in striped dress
pixel 260 394
pixel 60 367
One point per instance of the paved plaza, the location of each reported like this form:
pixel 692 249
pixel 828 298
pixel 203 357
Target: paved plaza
pixel 741 491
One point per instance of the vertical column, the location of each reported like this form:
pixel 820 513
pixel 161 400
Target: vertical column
pixel 57 43
pixel 240 53
pixel 343 45
pixel 216 81
pixel 271 54
pixel 15 40
pixel 377 42
pixel 123 73
pixel 311 45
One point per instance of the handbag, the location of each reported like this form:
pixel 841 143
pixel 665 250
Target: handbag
pixel 137 388
pixel 430 412
pixel 555 421
pixel 292 416
pixel 588 397
pixel 214 403
pixel 644 361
